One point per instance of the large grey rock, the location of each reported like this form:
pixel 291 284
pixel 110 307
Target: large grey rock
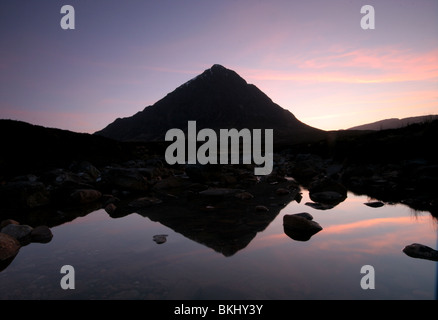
pixel 417 250
pixel 20 232
pixel 5 222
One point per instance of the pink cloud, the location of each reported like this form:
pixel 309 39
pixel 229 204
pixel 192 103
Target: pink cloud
pixel 354 226
pixel 383 65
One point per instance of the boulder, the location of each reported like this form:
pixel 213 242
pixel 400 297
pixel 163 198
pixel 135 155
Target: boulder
pixel 84 196
pixel 421 251
pixel 19 232
pixel 300 226
pixel 41 234
pixel 4 223
pixel 9 248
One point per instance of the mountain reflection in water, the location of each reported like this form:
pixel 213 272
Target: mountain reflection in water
pixel 116 257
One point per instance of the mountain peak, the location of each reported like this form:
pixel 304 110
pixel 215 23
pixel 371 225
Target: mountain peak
pixel 218 67
pixel 218 73
pixel 218 98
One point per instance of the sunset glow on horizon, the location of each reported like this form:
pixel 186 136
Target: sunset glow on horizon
pixel 312 58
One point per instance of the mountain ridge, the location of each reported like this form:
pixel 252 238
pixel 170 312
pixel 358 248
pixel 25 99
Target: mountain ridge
pixel 218 98
pixel 394 123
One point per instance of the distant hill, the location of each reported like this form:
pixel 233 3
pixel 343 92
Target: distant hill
pixel 394 123
pixel 27 148
pixel 218 99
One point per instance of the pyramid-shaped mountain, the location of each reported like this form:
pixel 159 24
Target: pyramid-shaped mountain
pixel 218 99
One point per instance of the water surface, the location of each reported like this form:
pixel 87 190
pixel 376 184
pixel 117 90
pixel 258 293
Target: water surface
pixel 117 259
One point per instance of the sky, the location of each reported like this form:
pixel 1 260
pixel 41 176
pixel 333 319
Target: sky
pixel 311 57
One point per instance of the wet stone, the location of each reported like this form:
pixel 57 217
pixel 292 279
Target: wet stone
pixel 9 247
pixel 160 238
pixel 19 232
pixel 41 234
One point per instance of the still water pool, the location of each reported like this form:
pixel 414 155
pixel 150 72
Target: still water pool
pixel 118 259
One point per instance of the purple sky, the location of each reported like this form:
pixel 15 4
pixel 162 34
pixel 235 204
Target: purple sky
pixel 311 57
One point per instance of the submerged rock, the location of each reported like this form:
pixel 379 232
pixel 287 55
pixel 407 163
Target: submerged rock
pixel 300 226
pixel 160 238
pixel 417 250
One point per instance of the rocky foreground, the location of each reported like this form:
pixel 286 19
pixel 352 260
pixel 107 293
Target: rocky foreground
pixel 13 236
pixel 221 206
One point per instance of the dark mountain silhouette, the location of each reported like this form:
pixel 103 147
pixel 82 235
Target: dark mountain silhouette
pixel 394 123
pixel 28 148
pixel 218 99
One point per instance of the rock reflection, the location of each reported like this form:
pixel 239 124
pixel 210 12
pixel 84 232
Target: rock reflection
pixel 300 226
pixel 220 219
